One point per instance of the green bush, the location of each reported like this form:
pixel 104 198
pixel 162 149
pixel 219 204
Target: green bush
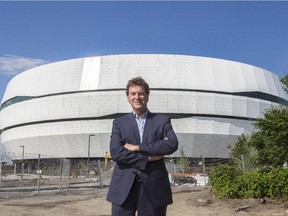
pixel 278 182
pixel 226 182
pixel 252 185
pixel 222 179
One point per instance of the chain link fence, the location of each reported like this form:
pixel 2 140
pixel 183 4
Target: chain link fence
pixel 185 171
pixel 63 174
pixel 48 173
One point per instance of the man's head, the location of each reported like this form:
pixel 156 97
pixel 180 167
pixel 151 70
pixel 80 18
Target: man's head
pixel 137 92
pixel 138 81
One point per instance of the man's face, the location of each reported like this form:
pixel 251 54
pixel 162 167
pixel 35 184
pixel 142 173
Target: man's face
pixel 138 99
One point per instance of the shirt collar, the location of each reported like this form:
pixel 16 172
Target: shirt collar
pixel 143 116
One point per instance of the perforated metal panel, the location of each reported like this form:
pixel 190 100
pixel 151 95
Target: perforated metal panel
pixel 69 100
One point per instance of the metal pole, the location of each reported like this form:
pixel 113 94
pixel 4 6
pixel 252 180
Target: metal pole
pixel 88 156
pixel 15 167
pixel 61 171
pixel 243 163
pixel 100 173
pixel 204 169
pixel 22 164
pixel 39 173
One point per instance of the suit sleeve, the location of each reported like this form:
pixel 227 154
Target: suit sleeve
pixel 162 147
pixel 121 154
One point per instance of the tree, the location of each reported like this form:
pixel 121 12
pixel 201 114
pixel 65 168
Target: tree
pixel 243 154
pixel 183 161
pixel 284 80
pixel 271 139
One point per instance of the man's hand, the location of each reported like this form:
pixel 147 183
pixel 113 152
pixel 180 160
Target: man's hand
pixel 154 158
pixel 131 147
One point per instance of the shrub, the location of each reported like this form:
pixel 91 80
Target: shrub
pixel 252 185
pixel 222 179
pixel 278 183
pixel 227 183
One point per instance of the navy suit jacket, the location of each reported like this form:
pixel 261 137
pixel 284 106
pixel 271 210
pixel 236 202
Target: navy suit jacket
pixel 154 175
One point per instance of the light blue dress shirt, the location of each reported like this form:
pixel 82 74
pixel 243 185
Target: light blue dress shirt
pixel 141 123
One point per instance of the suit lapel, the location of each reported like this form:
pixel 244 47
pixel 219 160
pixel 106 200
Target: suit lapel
pixel 134 127
pixel 147 126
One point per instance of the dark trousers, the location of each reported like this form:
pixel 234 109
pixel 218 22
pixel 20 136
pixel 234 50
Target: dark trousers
pixel 137 200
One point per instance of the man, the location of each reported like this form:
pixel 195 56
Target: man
pixel 139 141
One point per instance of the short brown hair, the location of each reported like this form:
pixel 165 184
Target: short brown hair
pixel 137 81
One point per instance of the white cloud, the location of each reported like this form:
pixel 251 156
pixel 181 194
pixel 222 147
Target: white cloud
pixel 12 65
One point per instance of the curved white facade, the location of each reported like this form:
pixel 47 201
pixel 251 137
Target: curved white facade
pixel 52 109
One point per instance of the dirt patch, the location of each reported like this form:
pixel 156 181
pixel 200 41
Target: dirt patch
pixel 187 201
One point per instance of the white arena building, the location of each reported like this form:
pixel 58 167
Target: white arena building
pixel 66 108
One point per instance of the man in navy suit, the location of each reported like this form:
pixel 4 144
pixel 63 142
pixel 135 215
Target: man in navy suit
pixel 139 141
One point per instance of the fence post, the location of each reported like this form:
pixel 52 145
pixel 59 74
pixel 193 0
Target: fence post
pixel 15 168
pixel 243 163
pixel 100 173
pixel 39 173
pixel 61 170
pixel 22 163
pixel 174 169
pixel 204 169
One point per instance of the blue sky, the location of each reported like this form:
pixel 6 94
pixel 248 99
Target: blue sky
pixel 34 33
